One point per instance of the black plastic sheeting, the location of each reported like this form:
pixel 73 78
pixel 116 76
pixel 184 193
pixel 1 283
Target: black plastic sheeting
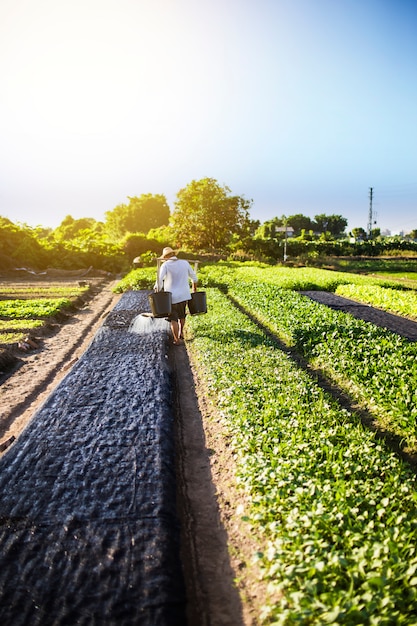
pixel 88 525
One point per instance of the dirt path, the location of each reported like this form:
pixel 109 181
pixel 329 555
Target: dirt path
pixel 217 549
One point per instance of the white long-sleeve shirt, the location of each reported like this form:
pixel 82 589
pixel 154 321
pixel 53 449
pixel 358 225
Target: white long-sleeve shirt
pixel 174 276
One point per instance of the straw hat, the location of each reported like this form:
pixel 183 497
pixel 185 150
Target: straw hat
pixel 167 252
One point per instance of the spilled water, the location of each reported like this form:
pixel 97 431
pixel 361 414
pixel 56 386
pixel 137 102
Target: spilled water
pixel 144 325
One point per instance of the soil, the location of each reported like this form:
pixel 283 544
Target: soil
pixel 222 580
pixel 217 548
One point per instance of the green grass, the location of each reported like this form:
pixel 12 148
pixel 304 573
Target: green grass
pixel 399 275
pixel 381 265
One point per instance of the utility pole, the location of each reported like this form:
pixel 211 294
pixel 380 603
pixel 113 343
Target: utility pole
pixel 285 222
pixel 370 216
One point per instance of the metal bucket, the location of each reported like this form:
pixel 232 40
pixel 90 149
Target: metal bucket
pixel 161 303
pixel 198 303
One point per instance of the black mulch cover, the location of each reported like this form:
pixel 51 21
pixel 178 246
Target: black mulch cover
pixel 88 525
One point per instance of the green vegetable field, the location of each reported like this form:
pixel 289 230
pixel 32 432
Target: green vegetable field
pixel 333 508
pixel 25 308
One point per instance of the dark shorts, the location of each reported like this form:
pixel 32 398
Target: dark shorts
pixel 177 311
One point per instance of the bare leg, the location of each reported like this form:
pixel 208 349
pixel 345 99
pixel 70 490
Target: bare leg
pixel 176 331
pixel 181 328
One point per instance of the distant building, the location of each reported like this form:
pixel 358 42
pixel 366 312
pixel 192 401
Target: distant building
pixel 282 229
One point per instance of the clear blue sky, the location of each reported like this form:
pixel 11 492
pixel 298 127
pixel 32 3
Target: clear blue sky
pixel 300 105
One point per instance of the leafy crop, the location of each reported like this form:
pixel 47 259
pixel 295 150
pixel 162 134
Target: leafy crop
pixel 141 278
pixel 298 279
pixel 21 311
pixel 405 276
pixel 12 331
pixel 29 309
pixel 387 266
pixel 31 292
pixel 335 512
pixel 224 273
pixel 6 338
pixel 307 278
pixel 376 366
pixel 19 324
pixel 402 302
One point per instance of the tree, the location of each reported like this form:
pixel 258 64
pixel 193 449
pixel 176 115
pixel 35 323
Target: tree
pixel 242 241
pixel 333 224
pixel 70 228
pixel 206 216
pixel 163 234
pixel 359 233
pixel 306 235
pixel 267 230
pixel 136 244
pixel 20 245
pixel 300 222
pixel 139 216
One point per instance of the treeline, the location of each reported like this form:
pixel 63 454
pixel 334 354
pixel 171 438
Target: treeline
pixel 207 219
pixel 110 245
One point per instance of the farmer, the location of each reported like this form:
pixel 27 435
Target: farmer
pixel 174 277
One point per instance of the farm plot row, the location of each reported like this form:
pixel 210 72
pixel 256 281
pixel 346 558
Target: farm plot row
pixel 373 365
pixel 225 273
pixel 301 279
pixel 25 308
pixel 31 291
pixel 388 294
pixel 388 299
pixel 335 511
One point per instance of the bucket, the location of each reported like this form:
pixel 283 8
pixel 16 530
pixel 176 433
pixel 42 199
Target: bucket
pixel 198 303
pixel 161 303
